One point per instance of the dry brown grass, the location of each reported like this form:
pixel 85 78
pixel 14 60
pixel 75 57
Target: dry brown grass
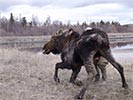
pixel 28 76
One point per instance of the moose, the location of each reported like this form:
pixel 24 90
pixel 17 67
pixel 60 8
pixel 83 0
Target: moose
pixel 81 51
pixel 58 43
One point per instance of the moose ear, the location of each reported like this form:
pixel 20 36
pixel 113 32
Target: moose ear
pixel 59 32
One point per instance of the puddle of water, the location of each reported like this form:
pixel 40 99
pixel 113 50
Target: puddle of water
pixel 123 52
pixel 128 46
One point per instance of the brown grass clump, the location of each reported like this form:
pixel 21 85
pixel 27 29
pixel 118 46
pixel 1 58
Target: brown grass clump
pixel 29 76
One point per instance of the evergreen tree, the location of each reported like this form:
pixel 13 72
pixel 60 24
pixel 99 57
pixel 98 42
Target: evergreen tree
pixel 92 24
pixel 24 21
pixel 11 19
pixel 102 22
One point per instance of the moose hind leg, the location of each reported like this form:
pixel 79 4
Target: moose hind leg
pixel 104 75
pixel 97 77
pixel 90 69
pixel 107 54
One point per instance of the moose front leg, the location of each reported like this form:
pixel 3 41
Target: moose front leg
pixel 74 76
pixel 60 65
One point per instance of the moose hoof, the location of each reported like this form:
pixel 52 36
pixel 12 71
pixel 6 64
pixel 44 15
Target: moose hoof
pixel 96 80
pixel 125 85
pixel 56 79
pixel 78 83
pixel 78 97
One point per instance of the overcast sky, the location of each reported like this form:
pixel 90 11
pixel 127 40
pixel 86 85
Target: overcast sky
pixel 73 10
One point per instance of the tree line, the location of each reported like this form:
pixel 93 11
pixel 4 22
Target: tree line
pixel 21 27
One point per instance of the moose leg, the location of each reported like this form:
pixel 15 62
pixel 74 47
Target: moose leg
pixel 61 65
pixel 102 63
pixel 74 76
pixel 90 68
pixel 103 71
pixel 56 78
pixel 107 54
pixel 97 77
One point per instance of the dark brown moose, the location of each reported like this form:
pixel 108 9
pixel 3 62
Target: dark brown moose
pixel 80 52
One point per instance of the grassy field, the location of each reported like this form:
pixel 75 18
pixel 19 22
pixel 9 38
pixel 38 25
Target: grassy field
pixel 29 76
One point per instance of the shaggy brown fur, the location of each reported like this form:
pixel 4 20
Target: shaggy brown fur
pixel 61 42
pixel 82 51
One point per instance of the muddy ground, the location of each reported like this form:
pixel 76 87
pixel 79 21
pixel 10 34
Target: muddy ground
pixel 29 76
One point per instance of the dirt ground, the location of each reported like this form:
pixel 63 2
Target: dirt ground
pixel 29 76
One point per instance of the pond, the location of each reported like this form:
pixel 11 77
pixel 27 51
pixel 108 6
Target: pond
pixel 123 52
pixel 126 47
